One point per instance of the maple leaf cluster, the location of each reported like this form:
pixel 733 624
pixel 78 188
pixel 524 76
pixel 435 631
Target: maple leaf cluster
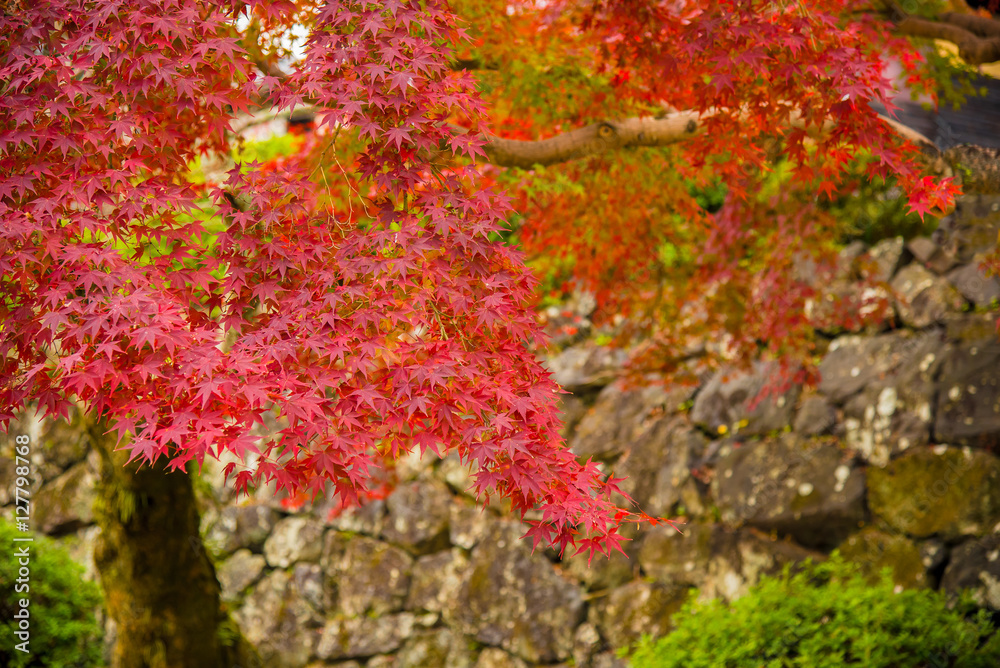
pixel 355 294
pixel 786 94
pixel 184 324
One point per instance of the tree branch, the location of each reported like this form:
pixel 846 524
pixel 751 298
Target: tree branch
pixel 979 25
pixel 977 38
pixel 632 132
pixel 594 138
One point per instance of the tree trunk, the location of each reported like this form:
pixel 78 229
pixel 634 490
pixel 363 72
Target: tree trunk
pixel 159 584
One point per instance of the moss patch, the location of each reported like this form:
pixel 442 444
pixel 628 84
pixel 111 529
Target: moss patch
pixel 873 550
pixel 950 492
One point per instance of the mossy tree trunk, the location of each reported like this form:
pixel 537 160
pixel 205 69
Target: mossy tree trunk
pixel 160 585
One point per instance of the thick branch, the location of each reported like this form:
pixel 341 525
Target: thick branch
pixel 628 133
pixel 908 133
pixel 595 138
pixel 977 38
pixel 980 25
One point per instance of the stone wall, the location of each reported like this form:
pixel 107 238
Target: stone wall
pixel 892 458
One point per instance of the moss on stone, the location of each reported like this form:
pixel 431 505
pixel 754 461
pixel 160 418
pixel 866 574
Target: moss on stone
pixel 945 491
pixel 873 550
pixel 803 501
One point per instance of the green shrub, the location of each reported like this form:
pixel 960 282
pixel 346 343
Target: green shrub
pixel 64 631
pixel 824 616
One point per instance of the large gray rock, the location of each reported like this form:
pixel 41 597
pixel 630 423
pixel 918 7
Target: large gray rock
pixel 894 412
pixel 278 622
pixel 516 600
pixel 620 416
pixel 678 558
pixel 246 526
pixel 467 524
pixel 740 560
pixel 975 566
pixel 835 302
pixel 853 362
pixel 439 648
pixel 239 572
pixel 361 637
pixel 334 546
pixel 970 327
pixel 884 259
pixel 721 563
pixel 685 449
pixel 730 401
pixel 368 519
pixel 968 400
pixel 882 427
pixel 418 517
pixel 586 643
pixel 938 491
pixel 65 504
pixel 971 229
pixel 607 660
pixel 974 285
pixel 585 367
pixel 924 298
pixel 807 490
pixel 309 581
pixel 638 608
pixel 492 657
pixel 55 446
pixel 294 539
pixel 932 256
pixel 657 463
pixel 816 416
pixel 372 578
pixel 436 580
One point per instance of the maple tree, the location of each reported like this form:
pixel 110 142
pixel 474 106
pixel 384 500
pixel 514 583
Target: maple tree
pixel 358 290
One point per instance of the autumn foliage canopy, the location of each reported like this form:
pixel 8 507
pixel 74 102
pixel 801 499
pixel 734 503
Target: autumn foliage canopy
pixel 357 293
